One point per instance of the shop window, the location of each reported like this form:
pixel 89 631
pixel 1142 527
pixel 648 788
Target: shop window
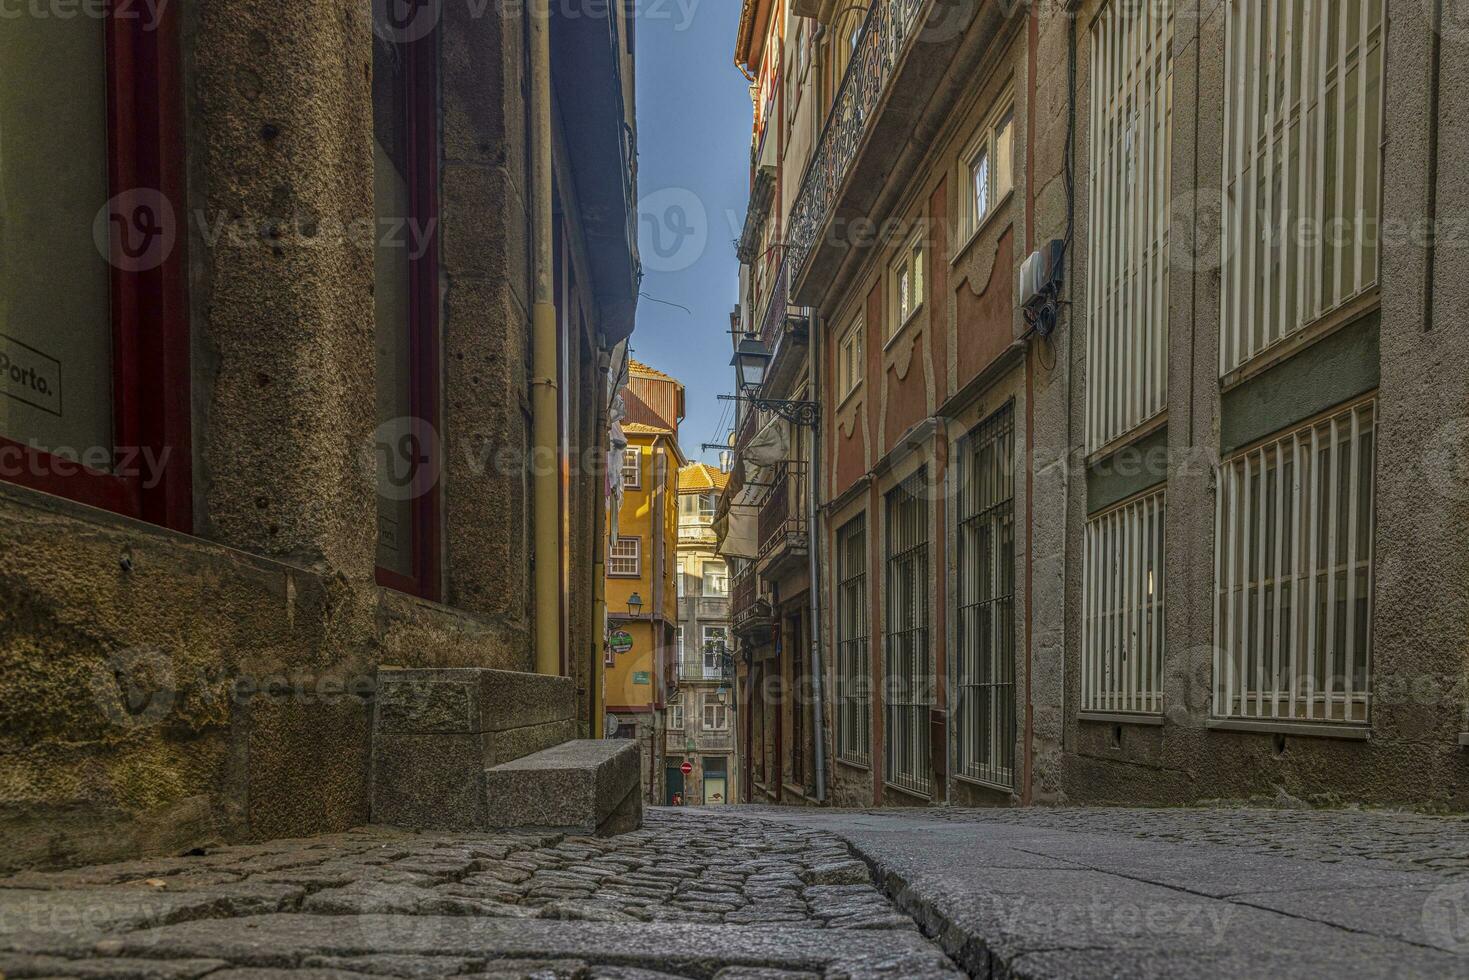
pixel 94 353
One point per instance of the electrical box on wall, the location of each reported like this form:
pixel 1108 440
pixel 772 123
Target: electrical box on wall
pixel 1041 278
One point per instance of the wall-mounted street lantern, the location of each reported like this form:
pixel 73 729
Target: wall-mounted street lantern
pixel 750 361
pixel 634 604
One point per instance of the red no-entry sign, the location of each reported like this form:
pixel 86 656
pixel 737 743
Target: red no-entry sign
pixel 686 768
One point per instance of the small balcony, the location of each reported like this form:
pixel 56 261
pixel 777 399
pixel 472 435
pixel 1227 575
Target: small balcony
pixel 681 742
pixel 714 667
pixel 781 526
pixel 697 532
pixel 900 59
pixel 749 614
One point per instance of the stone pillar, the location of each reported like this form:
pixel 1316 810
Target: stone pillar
pixel 1422 475
pixel 282 259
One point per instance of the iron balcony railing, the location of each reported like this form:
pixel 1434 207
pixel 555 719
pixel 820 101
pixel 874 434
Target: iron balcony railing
pixel 885 35
pixel 782 517
pixel 716 668
pixel 743 591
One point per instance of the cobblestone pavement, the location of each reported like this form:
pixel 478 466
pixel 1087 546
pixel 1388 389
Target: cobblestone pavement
pixel 693 894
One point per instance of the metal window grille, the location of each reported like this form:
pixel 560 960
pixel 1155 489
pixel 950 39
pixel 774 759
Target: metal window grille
pixel 1131 152
pixel 1303 166
pixel 853 693
pixel 1124 642
pixel 625 557
pixel 907 665
pixel 986 668
pixel 1294 577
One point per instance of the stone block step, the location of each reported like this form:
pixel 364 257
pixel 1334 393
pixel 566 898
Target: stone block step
pixel 588 786
pixel 437 730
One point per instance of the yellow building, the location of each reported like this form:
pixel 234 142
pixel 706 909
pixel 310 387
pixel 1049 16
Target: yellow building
pixel 642 601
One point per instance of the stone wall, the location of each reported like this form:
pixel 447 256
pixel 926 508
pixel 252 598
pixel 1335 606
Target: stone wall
pixel 161 691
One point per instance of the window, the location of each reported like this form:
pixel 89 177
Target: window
pixel 625 559
pixel 678 642
pixel 674 718
pixel 632 468
pixel 95 330
pixel 1123 638
pixel 716 640
pixel 850 362
pixel 716 715
pixel 406 303
pixel 987 170
pixel 905 284
pixel 716 579
pixel 1129 223
pixel 1302 169
pixel 708 504
pixel 1294 576
pixel 678 577
pixel 853 675
pixel 986 666
pixel 908 672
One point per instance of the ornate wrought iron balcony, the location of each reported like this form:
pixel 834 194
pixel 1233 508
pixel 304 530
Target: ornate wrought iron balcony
pixel 889 27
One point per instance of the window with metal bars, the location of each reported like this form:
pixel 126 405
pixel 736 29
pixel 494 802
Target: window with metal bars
pixel 853 680
pixel 1128 229
pixel 907 663
pixel 985 681
pixel 1302 167
pixel 1122 609
pixel 1294 575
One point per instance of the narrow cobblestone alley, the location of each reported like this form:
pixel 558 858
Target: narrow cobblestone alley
pixel 656 903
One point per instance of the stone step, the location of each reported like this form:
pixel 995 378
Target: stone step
pixel 437 730
pixel 590 786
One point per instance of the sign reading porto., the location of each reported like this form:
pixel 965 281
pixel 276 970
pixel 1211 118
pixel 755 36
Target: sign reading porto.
pixel 620 641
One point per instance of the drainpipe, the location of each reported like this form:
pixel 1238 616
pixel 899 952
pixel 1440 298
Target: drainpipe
pixel 596 676
pixel 545 503
pixel 818 712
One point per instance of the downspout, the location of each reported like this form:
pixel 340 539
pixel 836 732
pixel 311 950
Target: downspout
pixel 597 675
pixel 813 512
pixel 545 504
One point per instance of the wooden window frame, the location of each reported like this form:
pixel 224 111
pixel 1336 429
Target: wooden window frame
pixel 636 558
pixel 912 260
pixel 148 306
pixel 421 134
pixel 985 141
pixel 636 483
pixel 851 352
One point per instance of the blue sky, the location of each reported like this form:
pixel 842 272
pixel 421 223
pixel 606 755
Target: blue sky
pixel 693 181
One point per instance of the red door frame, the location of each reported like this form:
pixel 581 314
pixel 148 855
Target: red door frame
pixel 152 464
pixel 421 133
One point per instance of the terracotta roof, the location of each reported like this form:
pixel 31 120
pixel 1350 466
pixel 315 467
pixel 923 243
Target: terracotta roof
pixel 701 477
pixel 638 367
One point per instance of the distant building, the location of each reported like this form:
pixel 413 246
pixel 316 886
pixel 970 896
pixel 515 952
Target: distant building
pixel 700 718
pixel 642 609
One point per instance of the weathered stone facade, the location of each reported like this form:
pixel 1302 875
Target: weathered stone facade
pixel 212 680
pixel 916 365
